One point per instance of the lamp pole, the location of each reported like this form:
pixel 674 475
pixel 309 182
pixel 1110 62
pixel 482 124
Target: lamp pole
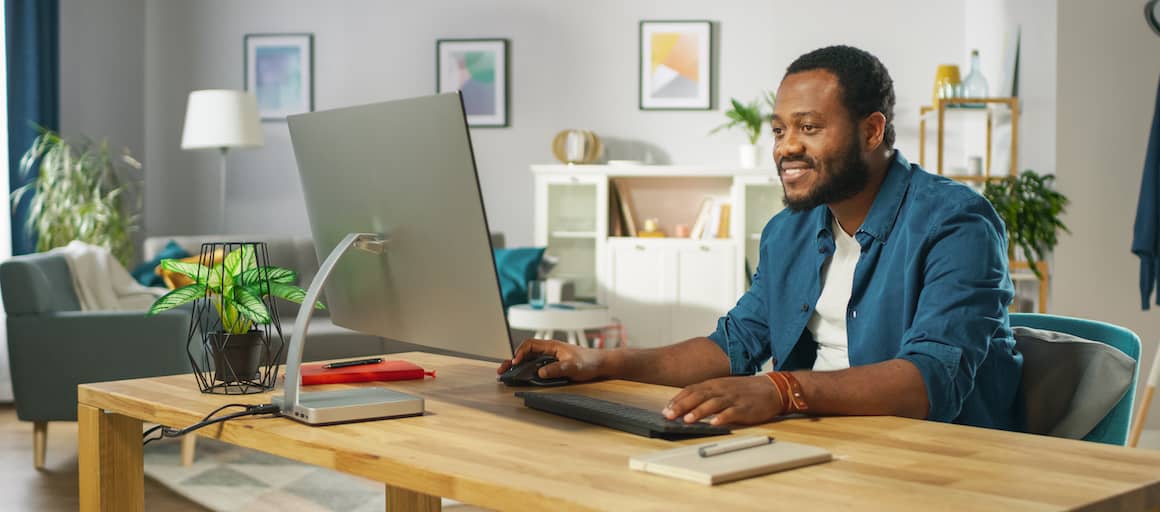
pixel 222 192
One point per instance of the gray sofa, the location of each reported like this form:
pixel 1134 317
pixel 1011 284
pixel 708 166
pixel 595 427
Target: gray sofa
pixel 53 346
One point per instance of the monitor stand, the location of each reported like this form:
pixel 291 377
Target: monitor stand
pixel 344 405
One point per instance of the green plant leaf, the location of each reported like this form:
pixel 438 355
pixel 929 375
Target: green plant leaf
pixel 217 280
pixel 176 298
pixel 191 270
pixel 275 274
pixel 291 293
pixel 250 306
pixel 238 261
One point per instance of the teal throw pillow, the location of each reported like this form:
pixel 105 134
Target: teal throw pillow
pixel 515 268
pixel 144 274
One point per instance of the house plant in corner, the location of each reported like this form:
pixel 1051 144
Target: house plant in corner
pixel 1030 208
pixel 750 118
pixel 233 310
pixel 80 192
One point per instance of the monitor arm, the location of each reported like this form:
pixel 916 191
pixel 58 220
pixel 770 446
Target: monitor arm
pixel 369 242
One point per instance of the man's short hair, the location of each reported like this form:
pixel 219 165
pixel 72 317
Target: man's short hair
pixel 866 85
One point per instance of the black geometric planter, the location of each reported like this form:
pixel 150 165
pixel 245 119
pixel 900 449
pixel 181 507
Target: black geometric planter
pixel 234 364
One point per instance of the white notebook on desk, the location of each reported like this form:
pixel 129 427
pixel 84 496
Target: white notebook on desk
pixel 730 459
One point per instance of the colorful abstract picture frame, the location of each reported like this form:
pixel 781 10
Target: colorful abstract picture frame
pixel 676 65
pixel 478 68
pixel 279 70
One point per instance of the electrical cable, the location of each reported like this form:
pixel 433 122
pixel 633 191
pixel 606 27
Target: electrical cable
pixel 251 410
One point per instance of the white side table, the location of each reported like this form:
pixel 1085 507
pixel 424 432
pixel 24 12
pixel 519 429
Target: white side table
pixel 558 317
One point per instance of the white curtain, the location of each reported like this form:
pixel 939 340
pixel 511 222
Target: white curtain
pixel 5 212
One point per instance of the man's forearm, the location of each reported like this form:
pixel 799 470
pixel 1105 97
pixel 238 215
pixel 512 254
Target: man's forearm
pixel 892 388
pixel 681 364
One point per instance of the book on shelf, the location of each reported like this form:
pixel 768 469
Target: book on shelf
pixel 622 194
pixel 712 223
pixel 703 213
pixel 723 222
pixel 615 223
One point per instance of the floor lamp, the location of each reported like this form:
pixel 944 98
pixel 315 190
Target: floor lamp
pixel 221 119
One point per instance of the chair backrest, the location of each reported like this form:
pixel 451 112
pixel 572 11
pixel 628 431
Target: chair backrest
pixel 39 283
pixel 1113 429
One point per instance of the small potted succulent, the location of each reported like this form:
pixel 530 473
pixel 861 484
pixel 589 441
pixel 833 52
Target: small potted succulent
pixel 750 118
pixel 236 288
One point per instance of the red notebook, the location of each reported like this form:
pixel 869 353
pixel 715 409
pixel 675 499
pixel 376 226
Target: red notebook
pixel 391 369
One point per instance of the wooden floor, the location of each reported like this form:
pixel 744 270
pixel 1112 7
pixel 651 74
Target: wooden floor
pixel 23 488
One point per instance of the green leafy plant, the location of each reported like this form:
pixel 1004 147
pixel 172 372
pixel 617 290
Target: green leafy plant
pixel 80 192
pixel 1031 210
pixel 235 286
pixel 748 116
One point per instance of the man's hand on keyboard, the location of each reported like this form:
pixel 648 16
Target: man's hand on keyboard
pixel 734 401
pixel 576 363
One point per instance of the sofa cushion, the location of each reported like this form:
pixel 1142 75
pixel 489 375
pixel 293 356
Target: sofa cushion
pixel 146 273
pixel 515 268
pixel 1069 383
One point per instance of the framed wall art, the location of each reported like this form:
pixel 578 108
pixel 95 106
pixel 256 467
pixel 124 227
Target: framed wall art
pixel 478 68
pixel 279 70
pixel 676 65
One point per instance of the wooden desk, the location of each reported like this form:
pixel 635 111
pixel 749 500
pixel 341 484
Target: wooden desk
pixel 479 445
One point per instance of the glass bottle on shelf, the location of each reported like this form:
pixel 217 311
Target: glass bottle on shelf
pixel 974 85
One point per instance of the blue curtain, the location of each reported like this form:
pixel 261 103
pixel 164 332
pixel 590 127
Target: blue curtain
pixel 33 44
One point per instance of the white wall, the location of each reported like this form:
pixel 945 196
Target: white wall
pixel 573 65
pixel 102 73
pixel 1109 62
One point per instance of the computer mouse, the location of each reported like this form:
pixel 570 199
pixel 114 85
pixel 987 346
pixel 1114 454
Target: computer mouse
pixel 524 373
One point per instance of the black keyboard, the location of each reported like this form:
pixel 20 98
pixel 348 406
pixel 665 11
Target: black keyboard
pixel 641 422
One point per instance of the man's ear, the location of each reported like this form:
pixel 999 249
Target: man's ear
pixel 873 130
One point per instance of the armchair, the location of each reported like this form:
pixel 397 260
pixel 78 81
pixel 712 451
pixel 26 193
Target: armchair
pixel 53 346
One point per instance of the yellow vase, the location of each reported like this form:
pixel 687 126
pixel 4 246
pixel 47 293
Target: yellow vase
pixel 946 82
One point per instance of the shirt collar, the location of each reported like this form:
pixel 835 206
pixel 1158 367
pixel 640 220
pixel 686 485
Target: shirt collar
pixel 884 211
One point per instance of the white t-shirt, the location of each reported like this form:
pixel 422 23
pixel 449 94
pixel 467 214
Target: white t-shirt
pixel 828 324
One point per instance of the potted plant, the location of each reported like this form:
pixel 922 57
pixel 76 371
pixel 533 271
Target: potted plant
pixel 80 192
pixel 750 118
pixel 1031 210
pixel 235 288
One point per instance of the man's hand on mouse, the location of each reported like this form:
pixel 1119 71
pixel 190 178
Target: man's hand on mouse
pixel 734 400
pixel 576 363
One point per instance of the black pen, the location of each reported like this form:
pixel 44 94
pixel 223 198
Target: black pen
pixel 356 362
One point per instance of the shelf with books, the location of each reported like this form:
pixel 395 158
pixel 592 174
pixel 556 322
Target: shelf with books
pixel 593 218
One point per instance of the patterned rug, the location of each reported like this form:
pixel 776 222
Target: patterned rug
pixel 224 477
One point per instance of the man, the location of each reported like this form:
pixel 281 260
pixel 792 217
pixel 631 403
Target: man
pixel 881 289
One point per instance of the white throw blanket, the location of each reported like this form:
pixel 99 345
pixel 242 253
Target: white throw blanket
pixel 100 281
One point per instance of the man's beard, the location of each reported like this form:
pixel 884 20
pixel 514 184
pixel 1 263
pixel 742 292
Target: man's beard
pixel 840 179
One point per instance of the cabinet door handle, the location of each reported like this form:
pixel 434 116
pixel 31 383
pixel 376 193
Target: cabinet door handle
pixel 574 179
pixel 639 247
pixel 706 248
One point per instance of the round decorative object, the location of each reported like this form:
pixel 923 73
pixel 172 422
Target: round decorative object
pixel 577 147
pixel 1152 15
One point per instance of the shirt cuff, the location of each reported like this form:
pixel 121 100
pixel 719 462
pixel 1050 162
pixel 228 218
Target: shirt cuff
pixel 939 366
pixel 740 362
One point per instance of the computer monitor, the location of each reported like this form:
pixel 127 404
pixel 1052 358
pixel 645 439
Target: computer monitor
pixel 402 171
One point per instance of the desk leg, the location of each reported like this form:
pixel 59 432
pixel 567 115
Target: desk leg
pixel 112 470
pixel 400 500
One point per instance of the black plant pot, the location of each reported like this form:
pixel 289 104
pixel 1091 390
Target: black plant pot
pixel 237 357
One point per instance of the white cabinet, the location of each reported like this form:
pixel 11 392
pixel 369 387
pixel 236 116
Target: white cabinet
pixel 664 290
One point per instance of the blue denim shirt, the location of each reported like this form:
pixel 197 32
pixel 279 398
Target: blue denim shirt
pixel 931 287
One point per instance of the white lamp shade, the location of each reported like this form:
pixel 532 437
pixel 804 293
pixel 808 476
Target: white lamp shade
pixel 221 118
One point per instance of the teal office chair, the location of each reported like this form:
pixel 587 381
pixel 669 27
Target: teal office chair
pixel 1113 429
